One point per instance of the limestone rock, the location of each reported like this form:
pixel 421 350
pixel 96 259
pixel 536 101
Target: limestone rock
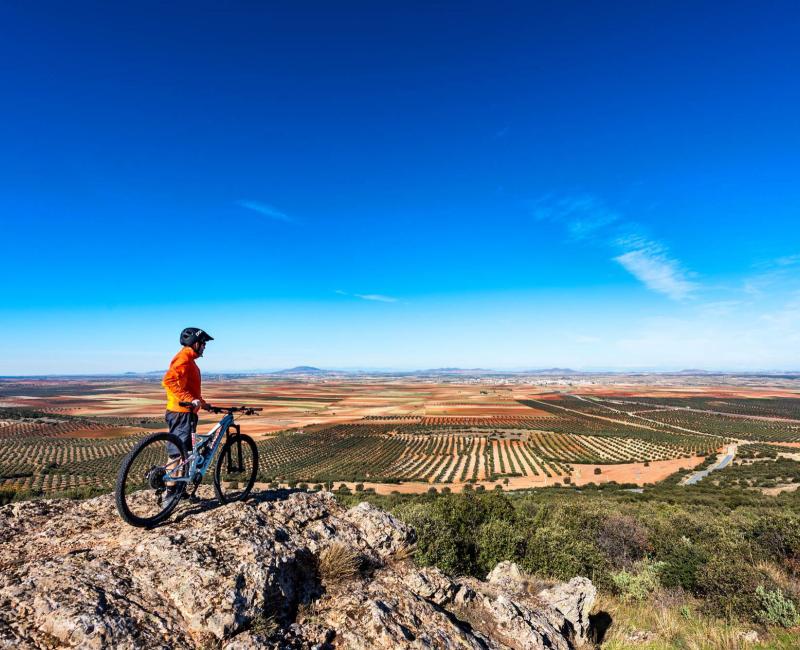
pixel 244 575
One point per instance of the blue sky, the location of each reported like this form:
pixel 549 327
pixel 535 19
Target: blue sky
pixel 474 184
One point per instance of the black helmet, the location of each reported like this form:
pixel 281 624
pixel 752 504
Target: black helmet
pixel 192 335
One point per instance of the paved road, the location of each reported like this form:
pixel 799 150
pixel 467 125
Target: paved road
pixel 699 476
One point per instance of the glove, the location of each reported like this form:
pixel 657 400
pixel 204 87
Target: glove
pixel 197 404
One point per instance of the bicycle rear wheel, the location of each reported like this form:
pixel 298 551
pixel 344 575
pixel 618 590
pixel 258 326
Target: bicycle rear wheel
pixel 144 494
pixel 236 469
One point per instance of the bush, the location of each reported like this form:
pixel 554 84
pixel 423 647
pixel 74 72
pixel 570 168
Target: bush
pixel 436 546
pixel 680 566
pixel 554 551
pixel 499 540
pixel 623 540
pixel 448 528
pixel 359 487
pixel 778 536
pixel 7 495
pixel 639 584
pixel 776 609
pixel 597 470
pixel 729 586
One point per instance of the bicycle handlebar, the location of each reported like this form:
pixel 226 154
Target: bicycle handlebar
pixel 247 410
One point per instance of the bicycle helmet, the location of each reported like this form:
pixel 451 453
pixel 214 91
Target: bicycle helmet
pixel 192 335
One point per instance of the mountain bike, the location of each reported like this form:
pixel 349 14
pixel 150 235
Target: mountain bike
pixel 159 470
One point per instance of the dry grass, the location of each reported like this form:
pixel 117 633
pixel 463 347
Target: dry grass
pixel 405 552
pixel 788 584
pixel 338 563
pixel 649 625
pixel 263 624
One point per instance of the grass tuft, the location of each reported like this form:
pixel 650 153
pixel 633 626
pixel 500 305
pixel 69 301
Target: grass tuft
pixel 338 563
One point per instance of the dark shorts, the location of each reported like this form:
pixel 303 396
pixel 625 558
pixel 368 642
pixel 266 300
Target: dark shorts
pixel 182 425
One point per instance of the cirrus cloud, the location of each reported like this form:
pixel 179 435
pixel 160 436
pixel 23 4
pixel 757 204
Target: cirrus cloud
pixel 587 218
pixel 264 209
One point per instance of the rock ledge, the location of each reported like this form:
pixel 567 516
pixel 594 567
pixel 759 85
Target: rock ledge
pixel 247 575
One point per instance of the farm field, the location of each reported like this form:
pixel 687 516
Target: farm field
pixel 403 434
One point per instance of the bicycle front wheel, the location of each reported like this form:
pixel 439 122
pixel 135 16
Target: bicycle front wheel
pixel 145 494
pixel 236 469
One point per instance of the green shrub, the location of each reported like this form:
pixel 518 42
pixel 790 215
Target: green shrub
pixel 776 609
pixel 7 495
pixel 447 528
pixel 558 552
pixel 639 583
pixel 729 585
pixel 680 565
pixel 499 540
pixel 778 536
pixel 436 546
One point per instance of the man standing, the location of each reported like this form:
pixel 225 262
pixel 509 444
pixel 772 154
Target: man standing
pixel 182 383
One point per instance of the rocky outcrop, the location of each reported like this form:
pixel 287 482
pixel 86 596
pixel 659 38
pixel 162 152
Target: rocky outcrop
pixel 249 575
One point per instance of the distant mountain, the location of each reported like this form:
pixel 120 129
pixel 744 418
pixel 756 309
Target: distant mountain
pixel 555 371
pixel 456 370
pixel 301 370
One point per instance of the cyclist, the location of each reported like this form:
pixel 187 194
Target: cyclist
pixel 182 383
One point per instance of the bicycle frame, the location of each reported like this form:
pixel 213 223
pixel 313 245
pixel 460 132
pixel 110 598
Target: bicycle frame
pixel 196 462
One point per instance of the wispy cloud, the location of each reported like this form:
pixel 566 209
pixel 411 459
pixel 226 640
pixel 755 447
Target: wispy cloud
pixel 778 262
pixel 583 216
pixel 587 218
pixel 720 307
pixel 266 210
pixel 658 272
pixel 780 272
pixel 788 260
pixel 377 297
pixel 374 297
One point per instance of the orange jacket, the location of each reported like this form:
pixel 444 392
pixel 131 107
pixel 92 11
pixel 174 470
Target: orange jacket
pixel 182 380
